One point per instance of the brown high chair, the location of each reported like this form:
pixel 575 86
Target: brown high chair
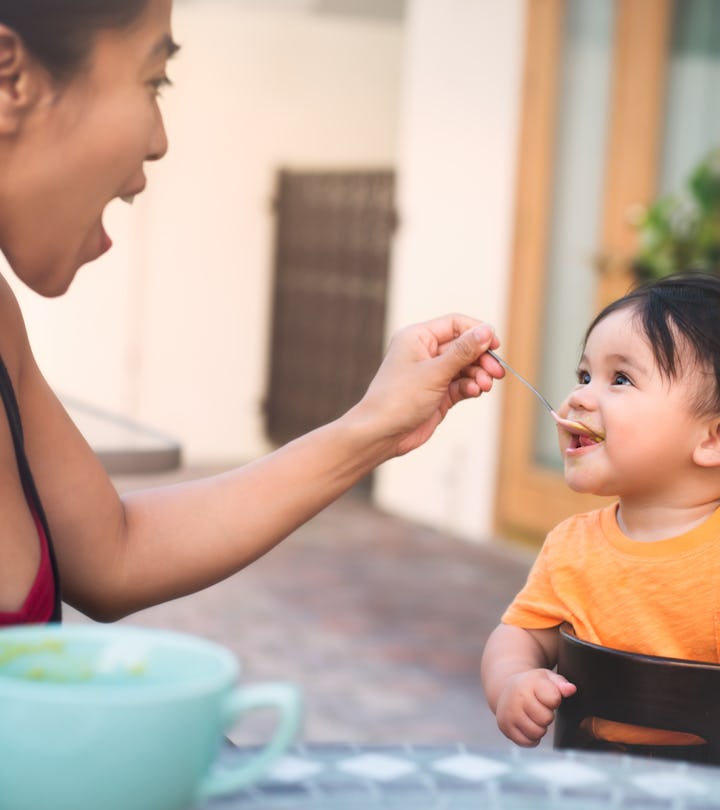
pixel 644 690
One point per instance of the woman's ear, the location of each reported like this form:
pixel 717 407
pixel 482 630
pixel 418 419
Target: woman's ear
pixel 707 452
pixel 20 81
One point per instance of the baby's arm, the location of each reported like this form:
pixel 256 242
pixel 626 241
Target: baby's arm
pixel 521 688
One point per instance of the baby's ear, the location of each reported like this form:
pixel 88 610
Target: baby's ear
pixel 707 452
pixel 20 81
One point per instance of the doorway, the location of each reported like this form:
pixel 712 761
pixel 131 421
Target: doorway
pixel 620 101
pixel 333 237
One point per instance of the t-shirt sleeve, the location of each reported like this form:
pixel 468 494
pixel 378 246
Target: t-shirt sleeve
pixel 537 605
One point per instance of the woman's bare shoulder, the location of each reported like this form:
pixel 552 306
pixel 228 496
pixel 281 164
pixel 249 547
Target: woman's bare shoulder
pixel 14 344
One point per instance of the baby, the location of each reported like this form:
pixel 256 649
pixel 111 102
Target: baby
pixel 642 574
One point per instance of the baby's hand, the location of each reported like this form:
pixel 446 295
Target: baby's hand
pixel 527 704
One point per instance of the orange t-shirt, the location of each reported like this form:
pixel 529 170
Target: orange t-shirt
pixel 657 598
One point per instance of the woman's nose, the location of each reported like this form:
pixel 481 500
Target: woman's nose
pixel 159 142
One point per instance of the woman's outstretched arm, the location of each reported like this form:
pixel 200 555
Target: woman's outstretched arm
pixel 117 555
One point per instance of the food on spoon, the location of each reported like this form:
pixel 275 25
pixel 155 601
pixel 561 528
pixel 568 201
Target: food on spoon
pixel 579 428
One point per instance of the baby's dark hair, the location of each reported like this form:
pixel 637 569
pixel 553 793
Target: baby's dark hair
pixel 60 33
pixel 681 310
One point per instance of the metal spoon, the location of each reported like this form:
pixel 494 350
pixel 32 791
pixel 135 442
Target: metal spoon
pixel 568 424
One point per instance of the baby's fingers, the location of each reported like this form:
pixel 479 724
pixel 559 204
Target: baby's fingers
pixel 551 691
pixel 548 694
pixel 526 732
pixel 540 714
pixel 563 684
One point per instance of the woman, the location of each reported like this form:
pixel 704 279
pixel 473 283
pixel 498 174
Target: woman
pixel 79 116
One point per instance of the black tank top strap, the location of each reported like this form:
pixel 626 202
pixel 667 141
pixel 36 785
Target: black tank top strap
pixel 13 416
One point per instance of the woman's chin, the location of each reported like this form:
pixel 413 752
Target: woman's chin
pixel 50 278
pixel 55 291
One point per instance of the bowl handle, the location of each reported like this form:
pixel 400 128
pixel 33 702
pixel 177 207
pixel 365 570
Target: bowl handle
pixel 287 699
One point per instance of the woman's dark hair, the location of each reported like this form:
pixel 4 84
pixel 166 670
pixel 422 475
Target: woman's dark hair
pixel 681 310
pixel 60 33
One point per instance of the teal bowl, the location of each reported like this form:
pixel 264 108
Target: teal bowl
pixel 115 717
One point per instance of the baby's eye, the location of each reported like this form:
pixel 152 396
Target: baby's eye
pixel 621 379
pixel 583 377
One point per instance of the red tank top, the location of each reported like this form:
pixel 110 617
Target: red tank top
pixel 43 602
pixel 39 604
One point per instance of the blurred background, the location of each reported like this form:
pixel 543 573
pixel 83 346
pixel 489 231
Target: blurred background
pixel 340 168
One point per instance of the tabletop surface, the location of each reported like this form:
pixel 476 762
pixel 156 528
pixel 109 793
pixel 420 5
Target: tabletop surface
pixel 419 777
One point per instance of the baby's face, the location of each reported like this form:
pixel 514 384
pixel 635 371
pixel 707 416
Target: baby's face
pixel 646 420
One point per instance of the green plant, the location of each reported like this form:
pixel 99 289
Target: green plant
pixel 681 232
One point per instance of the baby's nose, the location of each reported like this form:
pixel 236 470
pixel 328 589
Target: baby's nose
pixel 580 398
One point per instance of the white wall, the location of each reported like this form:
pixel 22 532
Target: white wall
pixel 457 157
pixel 171 327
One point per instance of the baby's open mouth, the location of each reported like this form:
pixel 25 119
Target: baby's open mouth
pixel 579 430
pixel 581 440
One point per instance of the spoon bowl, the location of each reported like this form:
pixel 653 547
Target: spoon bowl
pixel 576 427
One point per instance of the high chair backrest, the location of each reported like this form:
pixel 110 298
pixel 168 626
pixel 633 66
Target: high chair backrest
pixel 644 690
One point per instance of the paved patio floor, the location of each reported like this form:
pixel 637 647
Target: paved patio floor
pixel 381 621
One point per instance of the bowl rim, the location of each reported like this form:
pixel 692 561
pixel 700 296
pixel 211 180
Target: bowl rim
pixel 138 690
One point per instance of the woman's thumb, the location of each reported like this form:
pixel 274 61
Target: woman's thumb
pixel 466 348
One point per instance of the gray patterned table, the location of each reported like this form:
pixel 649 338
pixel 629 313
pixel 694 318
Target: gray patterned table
pixel 420 777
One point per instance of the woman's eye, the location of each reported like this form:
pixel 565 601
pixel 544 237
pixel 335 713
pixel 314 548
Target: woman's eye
pixel 621 379
pixel 583 377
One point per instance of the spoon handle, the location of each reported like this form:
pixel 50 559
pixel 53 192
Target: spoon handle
pixel 523 380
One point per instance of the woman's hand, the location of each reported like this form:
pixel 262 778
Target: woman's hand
pixel 428 368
